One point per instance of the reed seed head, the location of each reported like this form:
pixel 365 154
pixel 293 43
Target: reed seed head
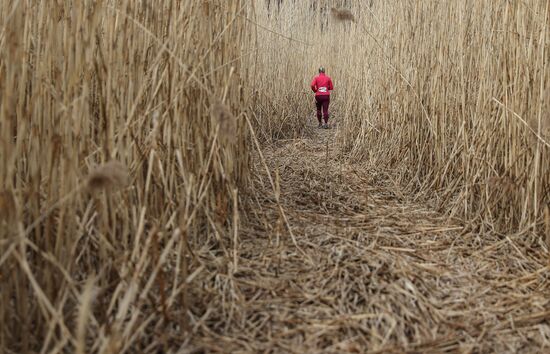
pixel 222 116
pixel 111 175
pixel 341 14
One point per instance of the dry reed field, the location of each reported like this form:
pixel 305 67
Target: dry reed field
pixel 163 188
pixel 122 154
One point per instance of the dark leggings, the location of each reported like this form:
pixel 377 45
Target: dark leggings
pixel 322 101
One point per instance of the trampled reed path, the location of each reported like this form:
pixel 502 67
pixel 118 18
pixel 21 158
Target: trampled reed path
pixel 161 190
pixel 376 271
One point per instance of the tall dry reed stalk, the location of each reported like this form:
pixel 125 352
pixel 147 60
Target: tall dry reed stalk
pixel 126 85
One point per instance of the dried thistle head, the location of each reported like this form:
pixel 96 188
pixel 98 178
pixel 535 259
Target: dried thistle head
pixel 111 175
pixel 222 116
pixel 341 14
pixel 7 205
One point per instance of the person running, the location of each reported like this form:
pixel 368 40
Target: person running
pixel 322 85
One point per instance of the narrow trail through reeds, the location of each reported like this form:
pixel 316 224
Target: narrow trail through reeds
pixel 161 191
pixel 380 273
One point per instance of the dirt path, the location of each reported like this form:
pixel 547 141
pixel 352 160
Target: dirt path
pixel 377 273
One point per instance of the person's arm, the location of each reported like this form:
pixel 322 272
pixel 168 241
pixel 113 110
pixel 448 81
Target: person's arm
pixel 330 86
pixel 314 85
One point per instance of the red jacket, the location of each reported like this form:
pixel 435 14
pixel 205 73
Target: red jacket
pixel 322 85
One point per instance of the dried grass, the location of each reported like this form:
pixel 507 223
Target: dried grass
pixel 421 89
pixel 390 275
pixel 245 230
pixel 414 103
pixel 84 82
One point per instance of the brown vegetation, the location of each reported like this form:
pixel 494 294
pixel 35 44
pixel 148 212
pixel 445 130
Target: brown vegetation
pixel 126 86
pixel 161 190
